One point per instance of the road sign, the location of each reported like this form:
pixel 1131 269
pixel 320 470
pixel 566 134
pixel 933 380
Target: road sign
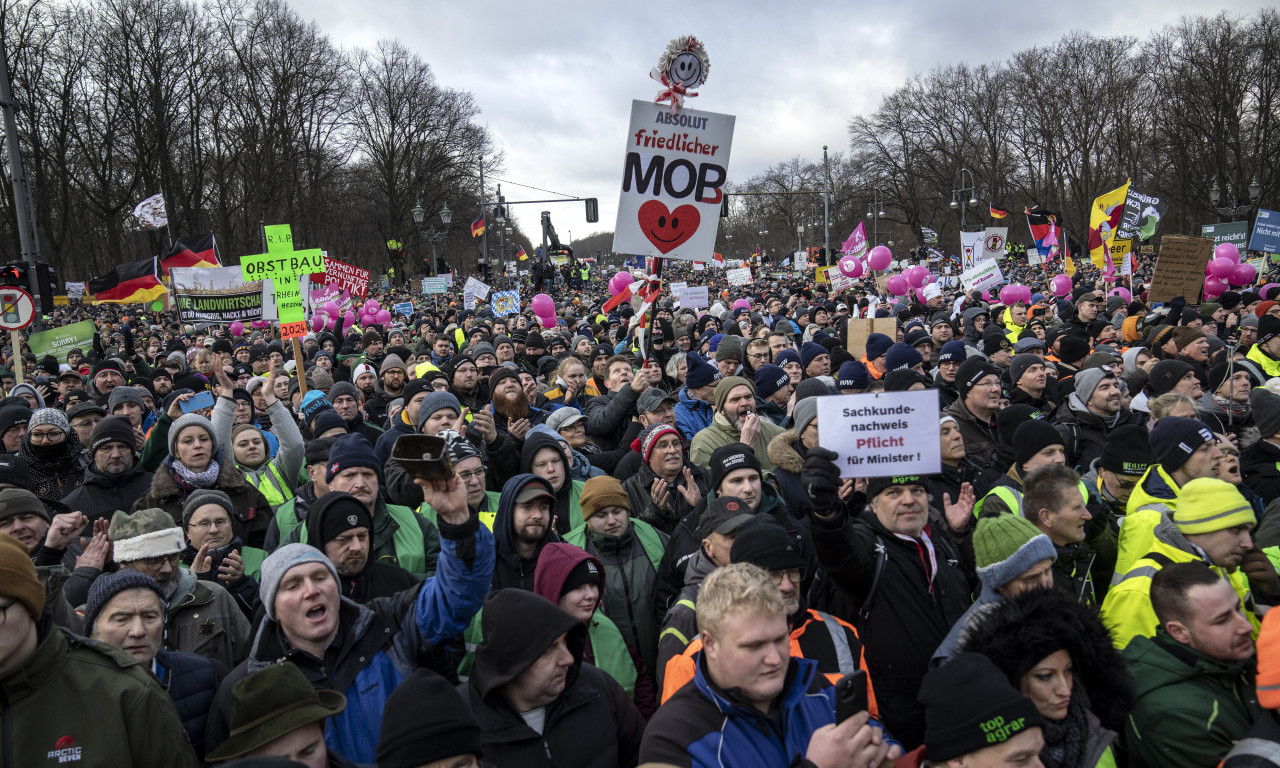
pixel 17 308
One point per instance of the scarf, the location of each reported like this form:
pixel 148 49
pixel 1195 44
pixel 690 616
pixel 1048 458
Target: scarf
pixel 1065 739
pixel 1237 411
pixel 188 479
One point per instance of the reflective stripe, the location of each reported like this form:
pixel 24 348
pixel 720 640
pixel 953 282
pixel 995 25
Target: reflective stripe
pixel 1267 750
pixel 674 633
pixel 844 654
pixel 1228 513
pixel 1145 571
pixel 1011 498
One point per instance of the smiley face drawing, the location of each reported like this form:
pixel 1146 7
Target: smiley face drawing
pixel 668 229
pixel 686 69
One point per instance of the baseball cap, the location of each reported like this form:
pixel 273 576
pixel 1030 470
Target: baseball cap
pixel 651 399
pixel 564 417
pixel 724 515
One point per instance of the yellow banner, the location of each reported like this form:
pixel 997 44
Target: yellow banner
pixel 1104 219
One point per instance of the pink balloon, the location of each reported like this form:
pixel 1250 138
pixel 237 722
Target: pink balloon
pixel 318 321
pixel 1060 285
pixel 1263 291
pixel 384 317
pixel 986 295
pixel 920 296
pixel 371 305
pixel 237 328
pixel 331 309
pixel 349 318
pixel 848 265
pixel 1227 251
pixel 1222 267
pixel 898 285
pixel 879 259
pixel 547 321
pixel 1214 286
pixel 543 305
pixel 1009 294
pixel 859 268
pixel 918 276
pixel 1123 293
pixel 1244 274
pixel 1024 294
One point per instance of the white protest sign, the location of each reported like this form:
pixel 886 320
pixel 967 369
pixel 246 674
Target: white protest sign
pixel 693 297
pixel 994 241
pixel 970 248
pixel 677 287
pixel 673 174
pixel 468 301
pixel 802 261
pixel 740 276
pixel 698 266
pixel 882 434
pixel 477 288
pixel 982 275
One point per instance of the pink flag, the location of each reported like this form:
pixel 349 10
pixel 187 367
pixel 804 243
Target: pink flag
pixel 857 242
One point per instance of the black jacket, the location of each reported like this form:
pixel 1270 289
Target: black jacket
pixel 608 414
pixel 192 682
pixel 100 495
pixel 1085 433
pixel 377 579
pixel 1260 465
pixel 509 568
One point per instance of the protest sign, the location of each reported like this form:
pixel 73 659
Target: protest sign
pixel 214 295
pixel 476 288
pixel 970 248
pixel 350 278
pixel 1235 232
pixel 1180 268
pixel 677 287
pixel 319 295
pixel 995 242
pixel 981 276
pixel 673 173
pixel 802 261
pixel 862 327
pixel 693 297
pixel 76 290
pixel 505 303
pixel 433 285
pixel 1266 234
pixel 402 308
pixel 882 434
pixel 59 341
pixel 741 276
pixel 468 301
pixel 698 266
pixel 282 265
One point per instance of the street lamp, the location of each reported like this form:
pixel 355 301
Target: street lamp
pixel 957 199
pixel 1233 211
pixel 799 237
pixel 435 235
pixel 875 212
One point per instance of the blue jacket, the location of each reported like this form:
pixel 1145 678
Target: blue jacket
pixel 191 681
pixel 692 414
pixel 379 643
pixel 701 727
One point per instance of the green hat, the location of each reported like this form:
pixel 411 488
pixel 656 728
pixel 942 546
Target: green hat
pixel 16 501
pixel 271 703
pixel 143 534
pixel 1006 546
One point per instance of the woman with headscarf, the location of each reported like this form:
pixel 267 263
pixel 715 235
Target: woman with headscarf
pixel 55 458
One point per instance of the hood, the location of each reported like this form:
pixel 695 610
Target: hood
pixel 1130 358
pixel 784 452
pixel 518 627
pixel 970 314
pixel 536 441
pixel 697 568
pixel 503 533
pixel 32 391
pixel 555 563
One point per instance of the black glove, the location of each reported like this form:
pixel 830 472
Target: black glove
pixel 1175 310
pixel 821 480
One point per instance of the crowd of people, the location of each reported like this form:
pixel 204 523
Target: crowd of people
pixel 628 545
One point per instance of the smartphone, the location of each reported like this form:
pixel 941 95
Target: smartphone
pixel 219 554
pixel 201 400
pixel 423 457
pixel 851 695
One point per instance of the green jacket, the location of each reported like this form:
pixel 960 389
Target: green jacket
pixel 488 509
pixel 400 537
pixel 1190 708
pixel 722 433
pixel 79 702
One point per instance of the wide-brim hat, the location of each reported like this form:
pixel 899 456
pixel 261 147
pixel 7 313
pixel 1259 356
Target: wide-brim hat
pixel 271 703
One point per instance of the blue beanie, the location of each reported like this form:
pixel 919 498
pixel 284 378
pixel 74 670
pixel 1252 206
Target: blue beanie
pixel 809 351
pixel 715 342
pixel 901 355
pixel 108 585
pixel 351 451
pixel 853 375
pixel 769 379
pixel 787 356
pixel 877 345
pixel 700 373
pixel 953 352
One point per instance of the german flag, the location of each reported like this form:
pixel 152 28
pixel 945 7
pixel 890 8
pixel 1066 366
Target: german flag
pixel 132 283
pixel 477 226
pixel 190 252
pixel 998 213
pixel 520 254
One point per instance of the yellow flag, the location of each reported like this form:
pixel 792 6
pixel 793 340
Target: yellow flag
pixel 1104 219
pixel 1068 266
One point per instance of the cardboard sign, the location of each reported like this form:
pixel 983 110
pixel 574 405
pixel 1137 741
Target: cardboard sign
pixel 476 288
pixel 882 434
pixel 1265 238
pixel 741 276
pixel 282 265
pixel 673 173
pixel 1180 268
pixel 693 297
pixel 862 327
pixel 432 285
pixel 983 275
pixel 350 278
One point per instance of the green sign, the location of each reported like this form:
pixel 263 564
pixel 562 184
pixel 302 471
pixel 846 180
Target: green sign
pixel 1236 232
pixel 434 285
pixel 59 341
pixel 282 265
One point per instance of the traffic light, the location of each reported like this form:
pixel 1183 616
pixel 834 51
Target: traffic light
pixel 15 275
pixel 593 210
pixel 47 280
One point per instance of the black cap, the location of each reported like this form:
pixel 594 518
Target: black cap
pixel 763 541
pixel 878 485
pixel 1128 451
pixel 724 515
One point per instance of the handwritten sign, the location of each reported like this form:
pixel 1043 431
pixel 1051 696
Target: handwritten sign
pixel 1180 268
pixel 693 297
pixel 282 265
pixel 741 276
pixel 981 276
pixel 677 287
pixel 476 288
pixel 882 434
pixel 348 277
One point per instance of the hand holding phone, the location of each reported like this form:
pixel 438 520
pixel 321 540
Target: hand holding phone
pixel 851 695
pixel 200 400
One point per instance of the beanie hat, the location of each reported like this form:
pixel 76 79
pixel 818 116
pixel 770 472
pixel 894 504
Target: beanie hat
pixel 809 351
pixel 729 348
pixel 279 563
pixel 728 458
pixel 190 420
pixel 326 420
pixel 112 429
pixel 49 416
pixel 1020 363
pixel 769 379
pixel 341 388
pixel 1207 504
pixel 108 585
pixel 700 373
pixel 585 572
pixel 878 344
pixel 1184 335
pixel 726 386
pixel 1031 437
pixel 1072 349
pixel 1006 546
pixel 1269 662
pixel 961 700
pixel 1087 381
pixel 762 541
pixel 1265 405
pixel 336 513
pixel 1128 451
pixel 651 435
pixel 853 375
pixel 804 413
pixel 143 534
pixel 18 576
pixel 425 720
pixel 901 355
pixel 786 356
pixel 972 371
pixel 878 485
pixel 350 451
pixel 953 352
pixel 1262 308
pixel 1166 374
pixel 202 496
pixel 600 492
pixel 125 395
pixel 437 401
pixel 19 501
pixel 1268 328
pixel 1174 439
pixel 500 373
pixel 460 448
pixel 994 341
pixel 815 387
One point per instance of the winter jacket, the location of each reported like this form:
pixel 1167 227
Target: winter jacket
pixel 704 725
pixel 907 615
pixel 1153 498
pixel 252 510
pixel 377 579
pixel 692 415
pixel 608 414
pixel 567 509
pixel 377 405
pixel 191 681
pixel 379 644
pixel 787 454
pixel 1260 747
pixel 680 623
pixel 87 704
pixel 1084 433
pixel 510 569
pixel 771 412
pixel 276 486
pixel 52 479
pixel 1260 465
pixel 289 515
pixel 722 433
pixel 100 495
pixel 1191 708
pixel 400 537
pixel 979 437
pixel 387 440
pixel 639 494
pixel 204 618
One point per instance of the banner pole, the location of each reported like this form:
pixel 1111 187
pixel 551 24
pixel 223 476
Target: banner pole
pixel 297 363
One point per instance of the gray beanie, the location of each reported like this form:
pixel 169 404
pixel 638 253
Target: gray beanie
pixel 804 413
pixel 435 401
pixel 341 388
pixel 49 416
pixel 1266 410
pixel 190 420
pixel 203 496
pixel 279 563
pixel 125 395
pixel 1088 380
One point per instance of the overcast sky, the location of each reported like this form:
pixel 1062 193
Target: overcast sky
pixel 555 80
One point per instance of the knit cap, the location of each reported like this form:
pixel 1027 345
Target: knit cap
pixel 1128 451
pixel 52 416
pixel 1006 546
pixel 143 534
pixel 1031 437
pixel 810 351
pixel 108 585
pixel 729 348
pixel 651 435
pixel 326 420
pixel 425 721
pixel 763 541
pixel 970 705
pixel 600 492
pixel 1087 381
pixel 1166 374
pixel 203 496
pixel 341 388
pixel 1268 328
pixel 350 451
pixel 728 458
pixel 437 401
pixel 953 352
pixel 112 429
pixel 726 386
pixel 19 501
pixel 769 379
pixel 786 356
pixel 853 375
pixel 1020 363
pixel 1268 681
pixel 1207 504
pixel 901 355
pixel 18 576
pixel 190 420
pixel 994 341
pixel 804 413
pixel 878 344
pixel 1072 349
pixel 972 371
pixel 1174 439
pixel 336 513
pixel 700 373
pixel 279 563
pixel 1265 405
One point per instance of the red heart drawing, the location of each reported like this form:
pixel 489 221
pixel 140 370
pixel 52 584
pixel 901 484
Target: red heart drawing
pixel 667 230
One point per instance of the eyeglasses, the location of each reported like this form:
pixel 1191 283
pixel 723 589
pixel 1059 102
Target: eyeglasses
pixel 152 563
pixel 794 574
pixel 214 523
pixel 466 477
pixel 52 436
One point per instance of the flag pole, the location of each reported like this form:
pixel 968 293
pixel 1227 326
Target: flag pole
pixel 167 229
